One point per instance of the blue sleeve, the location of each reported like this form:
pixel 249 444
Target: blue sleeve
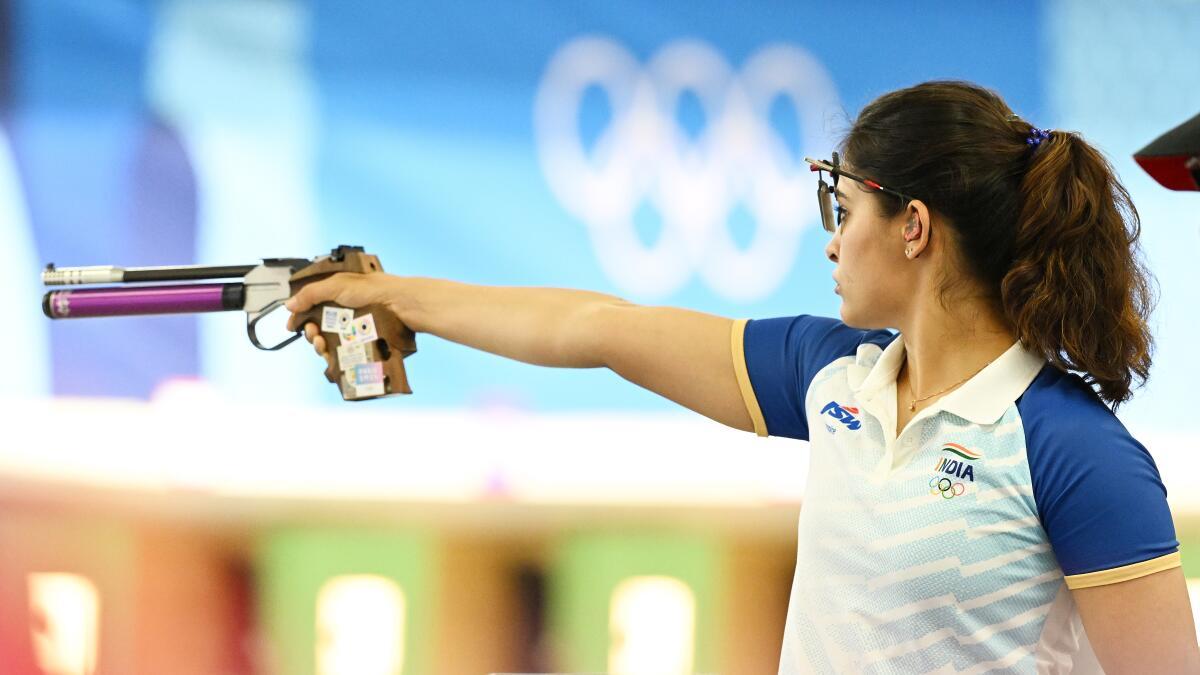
pixel 783 355
pixel 1098 493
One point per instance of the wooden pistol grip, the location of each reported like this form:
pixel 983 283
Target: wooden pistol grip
pixel 395 342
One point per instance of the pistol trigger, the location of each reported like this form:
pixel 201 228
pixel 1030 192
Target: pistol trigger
pixel 252 319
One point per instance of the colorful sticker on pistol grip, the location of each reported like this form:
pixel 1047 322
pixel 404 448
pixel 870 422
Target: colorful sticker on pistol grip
pixel 329 320
pixel 367 379
pixel 362 329
pixel 351 354
pixel 335 319
pixel 367 373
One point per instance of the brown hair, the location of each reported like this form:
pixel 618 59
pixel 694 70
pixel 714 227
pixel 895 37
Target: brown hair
pixel 1047 229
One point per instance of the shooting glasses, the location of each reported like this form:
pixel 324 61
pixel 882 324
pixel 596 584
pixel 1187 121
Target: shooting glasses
pixel 831 213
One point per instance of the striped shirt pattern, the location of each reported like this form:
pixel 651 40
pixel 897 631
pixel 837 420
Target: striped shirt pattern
pixel 929 551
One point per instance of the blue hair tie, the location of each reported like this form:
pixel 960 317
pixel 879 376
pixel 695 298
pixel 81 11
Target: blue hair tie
pixel 1036 136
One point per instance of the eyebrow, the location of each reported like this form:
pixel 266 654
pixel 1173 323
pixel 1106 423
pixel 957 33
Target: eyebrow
pixel 841 195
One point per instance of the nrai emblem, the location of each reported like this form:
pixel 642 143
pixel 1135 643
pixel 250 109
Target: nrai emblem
pixel 843 414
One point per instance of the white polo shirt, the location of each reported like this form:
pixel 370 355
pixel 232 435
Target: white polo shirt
pixel 951 548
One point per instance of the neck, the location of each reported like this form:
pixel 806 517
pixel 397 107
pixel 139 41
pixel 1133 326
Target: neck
pixel 945 347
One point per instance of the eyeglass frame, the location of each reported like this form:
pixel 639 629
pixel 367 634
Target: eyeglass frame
pixel 827 192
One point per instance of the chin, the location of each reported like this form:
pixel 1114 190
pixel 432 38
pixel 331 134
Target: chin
pixel 860 320
pixel 847 315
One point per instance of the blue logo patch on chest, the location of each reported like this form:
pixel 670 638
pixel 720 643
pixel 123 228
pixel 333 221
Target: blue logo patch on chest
pixel 843 414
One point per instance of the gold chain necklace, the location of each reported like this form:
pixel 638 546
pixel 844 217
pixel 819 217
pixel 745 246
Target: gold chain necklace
pixel 912 406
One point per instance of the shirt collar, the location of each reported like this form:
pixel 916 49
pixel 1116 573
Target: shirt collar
pixel 983 399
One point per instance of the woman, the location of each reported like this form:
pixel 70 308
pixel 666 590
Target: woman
pixel 970 501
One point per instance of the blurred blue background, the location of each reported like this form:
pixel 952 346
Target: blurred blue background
pixel 142 133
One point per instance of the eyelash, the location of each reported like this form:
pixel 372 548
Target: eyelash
pixel 840 213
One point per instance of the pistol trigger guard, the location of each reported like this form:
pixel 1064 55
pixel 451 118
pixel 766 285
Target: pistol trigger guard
pixel 252 321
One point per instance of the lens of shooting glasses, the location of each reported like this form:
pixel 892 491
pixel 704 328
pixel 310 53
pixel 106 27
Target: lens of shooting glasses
pixel 825 201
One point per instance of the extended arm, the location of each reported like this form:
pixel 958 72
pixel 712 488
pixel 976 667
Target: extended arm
pixel 680 354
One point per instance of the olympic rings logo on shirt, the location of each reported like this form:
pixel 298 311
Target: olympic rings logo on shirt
pixel 695 181
pixel 945 487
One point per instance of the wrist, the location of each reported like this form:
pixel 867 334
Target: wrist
pixel 401 300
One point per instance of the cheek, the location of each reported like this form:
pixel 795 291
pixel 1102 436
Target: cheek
pixel 857 257
pixel 865 263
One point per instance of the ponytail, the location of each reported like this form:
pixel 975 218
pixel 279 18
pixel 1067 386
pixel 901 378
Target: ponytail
pixel 1076 291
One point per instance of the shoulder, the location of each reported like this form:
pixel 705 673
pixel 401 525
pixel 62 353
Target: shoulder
pixel 1098 492
pixel 1064 419
pixel 811 340
pixel 775 359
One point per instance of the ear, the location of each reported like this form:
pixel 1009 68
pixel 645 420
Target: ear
pixel 916 229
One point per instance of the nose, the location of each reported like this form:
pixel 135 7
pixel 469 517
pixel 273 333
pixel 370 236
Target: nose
pixel 831 249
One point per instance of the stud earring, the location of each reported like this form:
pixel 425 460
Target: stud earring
pixel 908 251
